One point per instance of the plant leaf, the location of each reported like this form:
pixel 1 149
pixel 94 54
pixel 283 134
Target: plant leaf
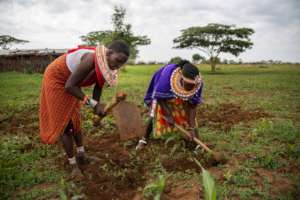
pixel 209 185
pixel 210 191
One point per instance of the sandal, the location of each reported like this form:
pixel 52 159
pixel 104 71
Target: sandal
pixel 142 143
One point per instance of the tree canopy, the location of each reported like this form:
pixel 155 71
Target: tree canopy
pixel 175 60
pixel 120 31
pixel 214 39
pixel 6 41
pixel 197 58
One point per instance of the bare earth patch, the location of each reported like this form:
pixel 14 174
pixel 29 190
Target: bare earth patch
pixel 226 115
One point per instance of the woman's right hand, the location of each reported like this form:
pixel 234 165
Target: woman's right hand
pixel 99 110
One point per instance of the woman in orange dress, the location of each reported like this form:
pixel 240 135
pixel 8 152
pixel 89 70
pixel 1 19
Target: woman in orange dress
pixel 59 113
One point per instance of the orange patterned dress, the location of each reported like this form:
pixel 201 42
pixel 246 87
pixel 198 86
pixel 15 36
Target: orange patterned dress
pixel 57 107
pixel 161 126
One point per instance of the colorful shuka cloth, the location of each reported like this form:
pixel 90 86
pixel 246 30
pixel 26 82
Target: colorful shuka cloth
pixel 58 107
pixel 166 84
pixel 161 126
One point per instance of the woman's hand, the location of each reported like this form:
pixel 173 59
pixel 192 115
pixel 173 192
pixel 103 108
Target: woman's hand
pixel 99 110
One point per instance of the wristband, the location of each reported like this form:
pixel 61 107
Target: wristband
pixel 92 103
pixel 89 102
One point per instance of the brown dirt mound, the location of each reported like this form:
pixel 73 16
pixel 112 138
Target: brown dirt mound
pixel 183 190
pixel 173 165
pixel 111 175
pixel 117 174
pixel 280 184
pixel 226 115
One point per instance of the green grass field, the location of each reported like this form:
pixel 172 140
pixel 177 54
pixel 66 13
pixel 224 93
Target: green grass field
pixel 264 153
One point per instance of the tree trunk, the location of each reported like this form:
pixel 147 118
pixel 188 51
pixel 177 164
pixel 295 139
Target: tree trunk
pixel 213 67
pixel 213 64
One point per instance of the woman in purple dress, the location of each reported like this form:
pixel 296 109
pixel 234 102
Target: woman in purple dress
pixel 172 97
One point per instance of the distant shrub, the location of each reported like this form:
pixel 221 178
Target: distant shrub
pixel 263 66
pixel 152 63
pixel 175 60
pixel 29 68
pixel 141 63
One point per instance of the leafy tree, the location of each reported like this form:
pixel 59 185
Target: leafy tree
pixel 121 31
pixel 240 61
pixel 214 39
pixel 225 61
pixel 197 58
pixel 232 62
pixel 175 60
pixel 6 41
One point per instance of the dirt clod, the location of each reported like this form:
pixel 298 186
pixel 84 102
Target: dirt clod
pixel 226 115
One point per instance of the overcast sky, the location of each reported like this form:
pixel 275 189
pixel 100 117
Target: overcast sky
pixel 60 23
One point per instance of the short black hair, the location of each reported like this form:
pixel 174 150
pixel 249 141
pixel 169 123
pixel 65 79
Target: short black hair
pixel 119 46
pixel 188 69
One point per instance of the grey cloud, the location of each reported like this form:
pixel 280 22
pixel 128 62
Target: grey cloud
pixel 59 23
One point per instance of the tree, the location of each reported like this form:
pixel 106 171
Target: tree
pixel 197 58
pixel 232 62
pixel 121 31
pixel 214 39
pixel 225 61
pixel 240 61
pixel 175 60
pixel 6 41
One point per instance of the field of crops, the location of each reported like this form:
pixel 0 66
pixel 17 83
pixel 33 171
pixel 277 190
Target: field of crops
pixel 251 113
